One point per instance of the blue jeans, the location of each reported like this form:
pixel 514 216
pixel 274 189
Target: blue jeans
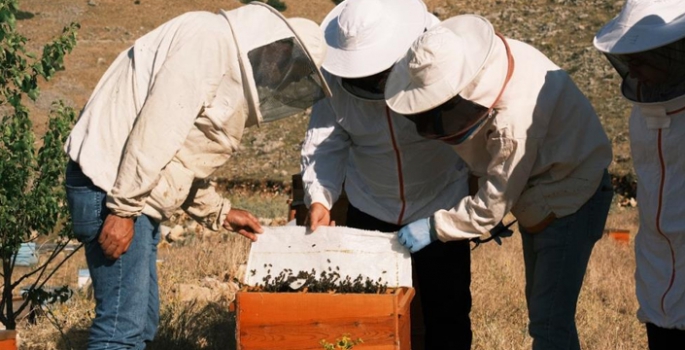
pixel 556 260
pixel 126 291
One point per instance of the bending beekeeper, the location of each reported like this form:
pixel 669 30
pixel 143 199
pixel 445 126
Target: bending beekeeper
pixel 535 144
pixel 391 175
pixel 166 114
pixel 645 43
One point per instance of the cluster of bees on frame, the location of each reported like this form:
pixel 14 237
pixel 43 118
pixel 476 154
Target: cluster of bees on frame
pixel 329 281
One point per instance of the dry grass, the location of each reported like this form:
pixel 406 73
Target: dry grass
pixel 606 310
pixel 256 178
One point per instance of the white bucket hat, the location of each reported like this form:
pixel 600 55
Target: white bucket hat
pixel 642 25
pixel 440 64
pixel 366 37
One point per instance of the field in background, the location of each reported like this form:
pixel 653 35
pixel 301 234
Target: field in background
pixel 257 178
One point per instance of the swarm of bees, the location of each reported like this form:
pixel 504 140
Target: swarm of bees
pixel 329 281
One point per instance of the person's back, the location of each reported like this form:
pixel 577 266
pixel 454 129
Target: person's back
pixel 122 92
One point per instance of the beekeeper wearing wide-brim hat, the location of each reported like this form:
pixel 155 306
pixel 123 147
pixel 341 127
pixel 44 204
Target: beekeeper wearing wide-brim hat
pixel 367 37
pixel 167 113
pixel 390 174
pixel 536 145
pixel 646 45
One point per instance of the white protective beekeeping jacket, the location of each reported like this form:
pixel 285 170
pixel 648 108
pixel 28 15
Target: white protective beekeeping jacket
pixel 168 112
pixel 544 152
pixel 657 131
pixel 389 171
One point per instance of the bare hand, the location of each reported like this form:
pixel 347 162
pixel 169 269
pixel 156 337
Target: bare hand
pixel 116 236
pixel 318 216
pixel 243 223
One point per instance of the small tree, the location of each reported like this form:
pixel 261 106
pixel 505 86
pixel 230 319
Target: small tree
pixel 32 200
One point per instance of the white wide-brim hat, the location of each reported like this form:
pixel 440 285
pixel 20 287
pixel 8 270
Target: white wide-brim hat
pixel 440 64
pixel 366 37
pixel 642 26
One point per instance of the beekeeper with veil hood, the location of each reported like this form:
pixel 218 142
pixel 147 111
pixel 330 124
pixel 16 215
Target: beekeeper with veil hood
pixel 391 175
pixel 535 144
pixel 166 114
pixel 646 45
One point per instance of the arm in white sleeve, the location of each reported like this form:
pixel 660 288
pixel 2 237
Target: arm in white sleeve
pixel 176 97
pixel 206 206
pixel 507 175
pixel 324 156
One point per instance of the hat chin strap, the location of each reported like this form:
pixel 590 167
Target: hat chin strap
pixel 510 71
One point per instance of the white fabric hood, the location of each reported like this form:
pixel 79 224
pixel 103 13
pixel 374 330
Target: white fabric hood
pixel 642 26
pixel 258 24
pixel 461 56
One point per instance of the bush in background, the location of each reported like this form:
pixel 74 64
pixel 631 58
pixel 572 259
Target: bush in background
pixel 32 204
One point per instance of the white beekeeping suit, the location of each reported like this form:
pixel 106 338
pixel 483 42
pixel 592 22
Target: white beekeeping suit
pixel 541 154
pixel 655 31
pixel 172 108
pixel 353 137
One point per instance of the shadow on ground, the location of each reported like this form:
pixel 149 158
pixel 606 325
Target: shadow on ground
pixel 211 326
pixel 207 327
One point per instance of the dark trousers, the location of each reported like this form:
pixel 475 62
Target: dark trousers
pixel 665 338
pixel 442 279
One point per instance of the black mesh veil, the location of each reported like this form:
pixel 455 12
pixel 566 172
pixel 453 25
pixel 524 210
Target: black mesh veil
pixel 286 79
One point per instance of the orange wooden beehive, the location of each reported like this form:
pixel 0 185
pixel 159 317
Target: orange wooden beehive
pixel 301 320
pixel 7 340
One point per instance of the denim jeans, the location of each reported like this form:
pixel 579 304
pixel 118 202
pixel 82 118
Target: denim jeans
pixel 556 260
pixel 125 289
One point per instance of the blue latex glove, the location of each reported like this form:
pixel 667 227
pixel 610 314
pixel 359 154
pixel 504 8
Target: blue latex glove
pixel 417 235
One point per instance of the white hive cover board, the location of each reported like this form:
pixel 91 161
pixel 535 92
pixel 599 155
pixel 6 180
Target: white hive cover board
pixel 350 252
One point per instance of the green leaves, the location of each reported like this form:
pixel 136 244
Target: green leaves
pixel 32 195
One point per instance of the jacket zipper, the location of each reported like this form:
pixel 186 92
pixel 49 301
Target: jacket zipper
pixel 658 219
pixel 399 165
pixel 662 181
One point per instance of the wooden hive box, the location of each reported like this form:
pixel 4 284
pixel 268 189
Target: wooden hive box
pixel 301 320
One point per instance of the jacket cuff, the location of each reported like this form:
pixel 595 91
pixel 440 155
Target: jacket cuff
pixel 322 196
pixel 122 207
pixel 223 212
pixel 445 224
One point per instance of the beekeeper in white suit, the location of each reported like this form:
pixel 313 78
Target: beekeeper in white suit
pixel 392 176
pixel 646 45
pixel 536 145
pixel 167 113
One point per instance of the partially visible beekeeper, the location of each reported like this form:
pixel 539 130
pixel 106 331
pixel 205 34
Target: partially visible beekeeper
pixel 166 114
pixel 646 45
pixel 536 145
pixel 391 175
